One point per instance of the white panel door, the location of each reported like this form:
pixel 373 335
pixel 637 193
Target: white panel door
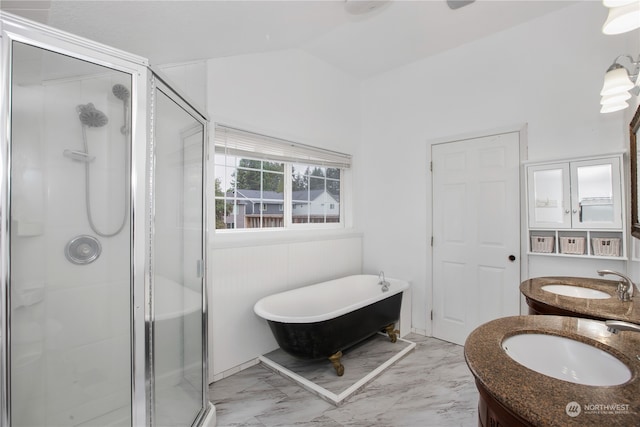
pixel 476 233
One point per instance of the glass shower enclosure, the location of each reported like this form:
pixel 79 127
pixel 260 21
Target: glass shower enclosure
pixel 102 249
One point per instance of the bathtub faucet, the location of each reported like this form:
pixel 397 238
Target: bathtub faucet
pixel 383 282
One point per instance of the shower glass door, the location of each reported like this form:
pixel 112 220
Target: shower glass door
pixel 70 261
pixel 178 262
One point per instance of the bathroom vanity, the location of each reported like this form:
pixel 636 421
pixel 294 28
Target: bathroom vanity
pixel 514 395
pixel 541 301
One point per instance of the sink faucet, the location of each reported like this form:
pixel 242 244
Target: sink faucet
pixel 615 326
pixel 383 282
pixel 625 286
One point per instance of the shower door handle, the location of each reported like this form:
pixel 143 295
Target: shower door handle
pixel 200 268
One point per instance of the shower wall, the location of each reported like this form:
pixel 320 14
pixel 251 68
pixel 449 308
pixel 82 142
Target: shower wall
pixel 70 323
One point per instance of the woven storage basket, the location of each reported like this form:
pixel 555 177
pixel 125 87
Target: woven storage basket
pixel 606 246
pixel 572 245
pixel 542 244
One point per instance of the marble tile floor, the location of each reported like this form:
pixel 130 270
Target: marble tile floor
pixel 430 387
pixel 362 364
pixel 176 405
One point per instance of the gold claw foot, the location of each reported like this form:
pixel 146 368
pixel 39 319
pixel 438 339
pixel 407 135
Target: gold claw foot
pixel 392 332
pixel 335 360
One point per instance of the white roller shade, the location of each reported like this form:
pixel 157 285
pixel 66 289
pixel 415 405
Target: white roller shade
pixel 241 143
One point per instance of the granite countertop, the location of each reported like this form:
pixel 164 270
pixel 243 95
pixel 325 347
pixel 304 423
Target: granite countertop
pixel 543 400
pixel 611 308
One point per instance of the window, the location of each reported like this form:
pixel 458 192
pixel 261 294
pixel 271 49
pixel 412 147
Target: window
pixel 245 190
pixel 264 182
pixel 262 207
pixel 313 190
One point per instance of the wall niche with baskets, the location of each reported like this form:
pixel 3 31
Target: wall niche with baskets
pixel 575 207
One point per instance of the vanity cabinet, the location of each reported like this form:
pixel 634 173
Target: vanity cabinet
pixel 492 414
pixel 582 194
pixel 575 207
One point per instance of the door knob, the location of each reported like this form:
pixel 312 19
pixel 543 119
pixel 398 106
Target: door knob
pixel 512 258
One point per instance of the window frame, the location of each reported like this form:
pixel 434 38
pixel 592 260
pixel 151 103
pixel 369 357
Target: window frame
pixel 315 225
pixel 287 206
pixel 235 143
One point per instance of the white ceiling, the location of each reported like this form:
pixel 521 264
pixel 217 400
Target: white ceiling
pixel 394 34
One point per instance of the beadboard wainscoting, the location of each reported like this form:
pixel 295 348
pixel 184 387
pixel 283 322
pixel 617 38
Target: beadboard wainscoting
pixel 242 274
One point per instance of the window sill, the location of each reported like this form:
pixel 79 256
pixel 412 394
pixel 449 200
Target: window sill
pixel 276 237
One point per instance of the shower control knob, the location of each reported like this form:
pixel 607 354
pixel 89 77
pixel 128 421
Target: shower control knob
pixel 82 250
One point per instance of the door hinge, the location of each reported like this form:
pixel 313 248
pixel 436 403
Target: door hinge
pixel 431 166
pixel 431 241
pixel 431 314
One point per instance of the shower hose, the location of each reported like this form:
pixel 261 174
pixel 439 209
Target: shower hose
pixel 87 187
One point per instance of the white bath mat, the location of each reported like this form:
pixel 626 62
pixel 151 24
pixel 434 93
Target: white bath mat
pixel 362 364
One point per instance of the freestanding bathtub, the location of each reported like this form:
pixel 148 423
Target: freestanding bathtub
pixel 320 321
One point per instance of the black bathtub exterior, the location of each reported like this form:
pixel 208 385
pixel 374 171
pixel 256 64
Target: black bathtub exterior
pixel 320 340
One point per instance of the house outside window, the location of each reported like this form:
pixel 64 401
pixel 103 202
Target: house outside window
pixel 259 187
pixel 249 193
pixel 315 194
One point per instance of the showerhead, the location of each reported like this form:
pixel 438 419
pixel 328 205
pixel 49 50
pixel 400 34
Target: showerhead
pixel 121 92
pixel 91 117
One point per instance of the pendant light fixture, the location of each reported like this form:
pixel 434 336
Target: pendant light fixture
pixel 620 83
pixel 624 16
pixel 616 80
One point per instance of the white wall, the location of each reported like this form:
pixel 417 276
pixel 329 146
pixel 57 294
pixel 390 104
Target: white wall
pixel 546 73
pixel 287 94
pixel 292 95
pixel 190 78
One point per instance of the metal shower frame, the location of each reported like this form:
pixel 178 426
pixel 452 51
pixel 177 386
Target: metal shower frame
pixel 144 82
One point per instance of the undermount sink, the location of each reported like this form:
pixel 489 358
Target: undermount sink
pixel 566 359
pixel 576 291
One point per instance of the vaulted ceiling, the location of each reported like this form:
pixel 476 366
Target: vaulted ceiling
pixel 393 34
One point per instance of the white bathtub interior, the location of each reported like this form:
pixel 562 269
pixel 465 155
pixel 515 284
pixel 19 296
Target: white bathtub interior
pixel 326 300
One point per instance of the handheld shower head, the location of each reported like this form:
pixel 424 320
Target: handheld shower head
pixel 90 116
pixel 121 92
